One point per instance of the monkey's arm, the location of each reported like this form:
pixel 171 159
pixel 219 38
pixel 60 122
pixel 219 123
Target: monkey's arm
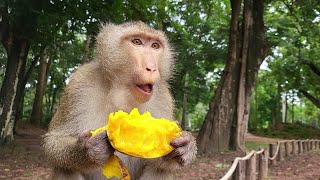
pixel 77 152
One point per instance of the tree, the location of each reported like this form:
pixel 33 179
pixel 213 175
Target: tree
pixel 15 39
pixel 227 118
pixel 43 70
pixel 295 36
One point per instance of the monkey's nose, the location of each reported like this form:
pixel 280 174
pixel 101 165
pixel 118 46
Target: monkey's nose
pixel 151 69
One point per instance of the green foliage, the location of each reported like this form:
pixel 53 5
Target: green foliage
pixel 293 30
pixel 291 131
pixel 264 101
pixel 198 115
pixel 198 31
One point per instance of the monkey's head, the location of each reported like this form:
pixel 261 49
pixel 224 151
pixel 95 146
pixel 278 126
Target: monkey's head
pixel 135 56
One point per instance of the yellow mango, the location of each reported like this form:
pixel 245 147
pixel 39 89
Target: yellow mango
pixel 138 135
pixel 141 135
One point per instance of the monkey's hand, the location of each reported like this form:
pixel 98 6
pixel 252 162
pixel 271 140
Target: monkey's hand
pixel 98 147
pixel 185 149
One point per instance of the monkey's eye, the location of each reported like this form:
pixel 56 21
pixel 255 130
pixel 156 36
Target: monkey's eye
pixel 137 42
pixel 155 45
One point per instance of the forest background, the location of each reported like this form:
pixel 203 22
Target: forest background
pixel 240 65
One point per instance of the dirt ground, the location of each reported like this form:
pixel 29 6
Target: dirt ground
pixel 24 160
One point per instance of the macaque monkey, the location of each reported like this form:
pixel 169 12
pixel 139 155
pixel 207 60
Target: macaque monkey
pixel 131 69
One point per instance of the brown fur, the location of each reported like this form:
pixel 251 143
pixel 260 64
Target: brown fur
pixel 106 85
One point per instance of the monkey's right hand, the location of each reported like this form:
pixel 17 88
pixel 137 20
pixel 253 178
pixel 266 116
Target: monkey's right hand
pixel 98 147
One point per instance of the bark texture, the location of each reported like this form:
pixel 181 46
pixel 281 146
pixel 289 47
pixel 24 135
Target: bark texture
pixel 226 122
pixel 17 50
pixel 37 109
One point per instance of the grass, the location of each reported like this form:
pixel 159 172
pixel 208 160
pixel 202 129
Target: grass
pixel 290 131
pixel 253 145
pixel 222 166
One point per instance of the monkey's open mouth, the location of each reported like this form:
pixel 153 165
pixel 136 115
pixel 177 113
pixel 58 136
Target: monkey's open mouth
pixel 147 88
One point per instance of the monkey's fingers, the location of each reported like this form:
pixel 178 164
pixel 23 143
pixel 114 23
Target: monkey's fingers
pixel 180 141
pixel 176 153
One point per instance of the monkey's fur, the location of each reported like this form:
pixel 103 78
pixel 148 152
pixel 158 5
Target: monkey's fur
pixel 131 68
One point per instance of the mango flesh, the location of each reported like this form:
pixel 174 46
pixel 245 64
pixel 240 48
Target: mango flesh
pixel 138 135
pixel 141 135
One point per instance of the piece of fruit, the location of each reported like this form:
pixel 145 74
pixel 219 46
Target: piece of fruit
pixel 139 135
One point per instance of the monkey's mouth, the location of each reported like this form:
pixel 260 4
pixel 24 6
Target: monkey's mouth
pixel 146 88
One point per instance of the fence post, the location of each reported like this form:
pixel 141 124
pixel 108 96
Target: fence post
pixel 251 168
pixel 281 151
pixel 294 147
pixel 240 173
pixel 312 144
pixel 263 165
pixel 287 148
pixel 300 146
pixel 272 149
pixel 305 149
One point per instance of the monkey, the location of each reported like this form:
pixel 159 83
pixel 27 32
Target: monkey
pixel 131 68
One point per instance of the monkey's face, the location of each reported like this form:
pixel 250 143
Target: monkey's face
pixel 144 54
pixel 135 57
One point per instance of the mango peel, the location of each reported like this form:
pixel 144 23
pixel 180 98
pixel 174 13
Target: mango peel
pixel 138 135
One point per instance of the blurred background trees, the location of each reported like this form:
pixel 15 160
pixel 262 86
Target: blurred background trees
pixel 43 42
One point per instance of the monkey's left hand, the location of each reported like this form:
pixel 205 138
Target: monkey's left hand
pixel 185 149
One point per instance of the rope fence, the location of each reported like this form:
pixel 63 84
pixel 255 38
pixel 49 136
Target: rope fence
pixel 255 164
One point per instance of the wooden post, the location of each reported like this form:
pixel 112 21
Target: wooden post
pixel 300 146
pixel 263 165
pixel 310 144
pixel 287 145
pixel 305 149
pixel 294 147
pixel 240 173
pixel 313 144
pixel 281 151
pixel 251 168
pixel 272 150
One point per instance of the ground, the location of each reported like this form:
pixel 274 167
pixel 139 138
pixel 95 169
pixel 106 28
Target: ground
pixel 25 160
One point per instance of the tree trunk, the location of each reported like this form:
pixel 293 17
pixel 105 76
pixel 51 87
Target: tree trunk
pixel 278 106
pixel 17 51
pixel 226 122
pixel 26 77
pixel 37 109
pixel 284 108
pixel 311 98
pixel 185 121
